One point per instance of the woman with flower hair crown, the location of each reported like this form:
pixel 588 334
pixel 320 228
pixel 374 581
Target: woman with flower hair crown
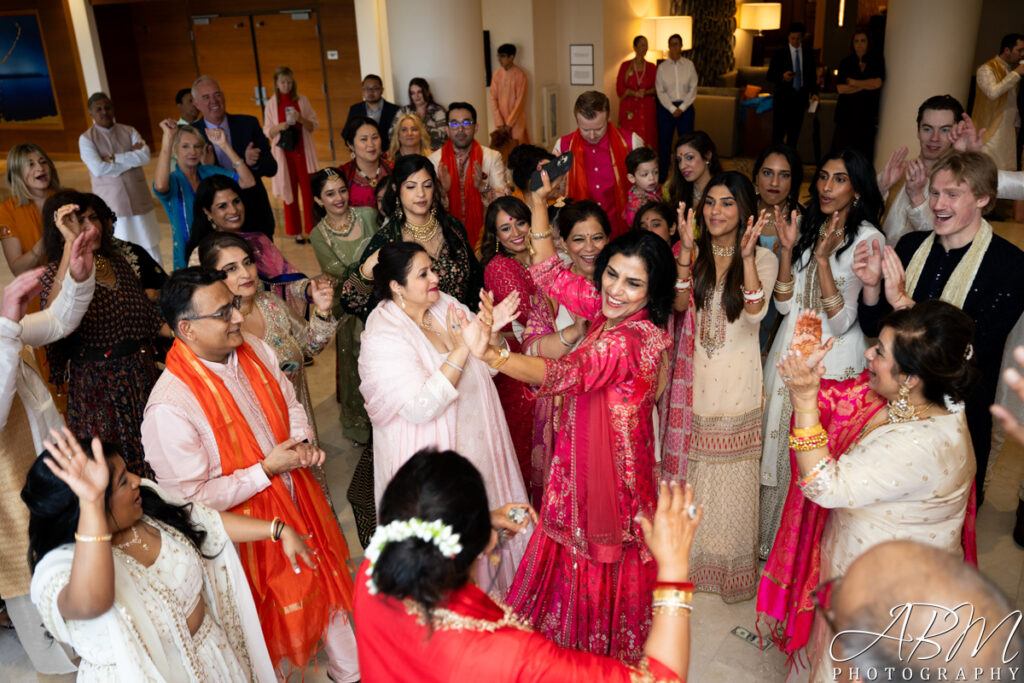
pixel 413 593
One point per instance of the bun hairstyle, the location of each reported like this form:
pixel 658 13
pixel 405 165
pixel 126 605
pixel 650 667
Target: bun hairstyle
pixel 431 486
pixel 933 341
pixel 393 263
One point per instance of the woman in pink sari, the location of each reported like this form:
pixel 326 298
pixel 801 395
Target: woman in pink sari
pixel 587 572
pixel 863 475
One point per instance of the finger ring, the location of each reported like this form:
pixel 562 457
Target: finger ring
pixel 786 379
pixel 517 515
pixel 455 326
pixel 692 511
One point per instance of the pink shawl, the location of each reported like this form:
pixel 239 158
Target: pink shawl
pixel 793 569
pixel 395 360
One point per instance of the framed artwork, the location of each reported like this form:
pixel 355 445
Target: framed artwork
pixel 581 75
pixel 27 97
pixel 582 54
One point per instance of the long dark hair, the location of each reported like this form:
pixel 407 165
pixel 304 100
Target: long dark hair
pixel 53 240
pixel 796 170
pixel 705 277
pixel 931 340
pixel 515 208
pixel 662 209
pixel 54 510
pixel 432 486
pixel 679 188
pixel 207 190
pixel 316 186
pixel 867 208
pixel 658 260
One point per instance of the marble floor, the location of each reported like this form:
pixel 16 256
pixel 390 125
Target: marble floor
pixel 718 655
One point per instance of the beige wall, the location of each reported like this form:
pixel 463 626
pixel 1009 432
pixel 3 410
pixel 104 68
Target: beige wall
pixel 512 22
pixel 998 17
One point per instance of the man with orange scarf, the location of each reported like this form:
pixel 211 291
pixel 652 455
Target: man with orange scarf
pixel 223 427
pixel 469 172
pixel 599 152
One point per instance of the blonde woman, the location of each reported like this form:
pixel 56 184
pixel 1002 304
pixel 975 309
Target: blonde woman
pixel 31 178
pixel 410 137
pixel 286 110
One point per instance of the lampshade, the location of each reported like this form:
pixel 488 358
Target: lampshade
pixel 666 26
pixel 760 16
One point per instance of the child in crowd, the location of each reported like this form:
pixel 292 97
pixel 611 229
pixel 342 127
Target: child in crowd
pixel 642 172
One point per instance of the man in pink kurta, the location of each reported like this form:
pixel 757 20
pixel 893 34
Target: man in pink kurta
pixel 508 95
pixel 599 157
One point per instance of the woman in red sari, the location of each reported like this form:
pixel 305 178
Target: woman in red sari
pixel 635 88
pixel 413 595
pixel 587 574
pixel 873 475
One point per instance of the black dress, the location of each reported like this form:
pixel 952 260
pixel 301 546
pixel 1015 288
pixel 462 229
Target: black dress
pixel 994 302
pixel 857 113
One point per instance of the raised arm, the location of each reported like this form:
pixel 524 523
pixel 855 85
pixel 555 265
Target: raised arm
pixel 162 178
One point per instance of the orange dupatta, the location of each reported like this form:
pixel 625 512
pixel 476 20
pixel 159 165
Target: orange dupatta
pixel 576 180
pixel 294 609
pixel 473 220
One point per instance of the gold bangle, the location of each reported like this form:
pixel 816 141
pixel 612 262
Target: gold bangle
pixel 541 235
pixel 93 539
pixel 813 430
pixel 672 608
pixel 805 411
pixel 808 443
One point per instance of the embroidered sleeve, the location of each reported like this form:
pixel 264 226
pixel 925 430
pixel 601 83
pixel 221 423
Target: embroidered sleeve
pixel 602 363
pixel 575 292
pixel 504 276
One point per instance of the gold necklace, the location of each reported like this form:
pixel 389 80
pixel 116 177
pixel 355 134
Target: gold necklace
pixel 376 176
pixel 723 251
pixel 425 232
pixel 134 540
pixel 103 267
pixel 428 324
pixel 347 230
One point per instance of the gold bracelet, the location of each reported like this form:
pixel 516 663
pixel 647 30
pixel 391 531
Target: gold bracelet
pixel 808 443
pixel 784 287
pixel 93 539
pixel 671 594
pixel 801 432
pixel 805 411
pixel 541 235
pixel 503 356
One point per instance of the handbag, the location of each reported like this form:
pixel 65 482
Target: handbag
pixel 288 140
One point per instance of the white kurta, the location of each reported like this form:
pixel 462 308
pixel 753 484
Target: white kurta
pixel 1002 145
pixel 901 481
pixel 845 360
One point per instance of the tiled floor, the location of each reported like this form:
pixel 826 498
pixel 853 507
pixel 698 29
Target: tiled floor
pixel 717 655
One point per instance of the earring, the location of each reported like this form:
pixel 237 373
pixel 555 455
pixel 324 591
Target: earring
pixel 497 244
pixel 401 300
pixel 856 201
pixel 901 409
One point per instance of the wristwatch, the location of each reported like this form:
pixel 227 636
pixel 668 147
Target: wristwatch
pixel 503 354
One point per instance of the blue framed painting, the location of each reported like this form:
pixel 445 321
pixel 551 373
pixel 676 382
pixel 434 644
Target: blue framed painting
pixel 27 97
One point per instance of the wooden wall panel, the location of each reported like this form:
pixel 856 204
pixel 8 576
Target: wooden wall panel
pixel 120 55
pixel 67 80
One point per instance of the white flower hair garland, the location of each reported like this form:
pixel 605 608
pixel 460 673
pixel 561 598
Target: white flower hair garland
pixel 436 532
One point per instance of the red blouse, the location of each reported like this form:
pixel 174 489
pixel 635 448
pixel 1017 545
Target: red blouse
pixel 474 638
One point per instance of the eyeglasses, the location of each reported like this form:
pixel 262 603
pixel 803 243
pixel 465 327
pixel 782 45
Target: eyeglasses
pixel 224 312
pixel 372 89
pixel 822 598
pixel 465 123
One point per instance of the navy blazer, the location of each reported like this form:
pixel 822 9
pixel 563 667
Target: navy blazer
pixel 782 61
pixel 387 117
pixel 244 129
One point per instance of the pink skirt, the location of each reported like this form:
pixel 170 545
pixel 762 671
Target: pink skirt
pixel 603 608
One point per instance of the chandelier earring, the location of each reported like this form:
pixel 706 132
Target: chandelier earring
pixel 902 410
pixel 856 201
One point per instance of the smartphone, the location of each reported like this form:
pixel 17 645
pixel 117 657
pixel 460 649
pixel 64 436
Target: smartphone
pixel 556 168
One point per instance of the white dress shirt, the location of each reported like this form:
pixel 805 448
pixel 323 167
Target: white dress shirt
pixel 675 81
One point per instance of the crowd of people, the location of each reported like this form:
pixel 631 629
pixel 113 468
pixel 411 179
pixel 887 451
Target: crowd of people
pixel 583 394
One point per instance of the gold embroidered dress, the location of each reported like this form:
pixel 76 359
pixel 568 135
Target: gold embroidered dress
pixel 725 448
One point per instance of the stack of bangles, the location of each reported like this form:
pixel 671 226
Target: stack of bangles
pixel 784 288
pixel 753 297
pixel 832 303
pixel 810 439
pixel 276 529
pixel 541 235
pixel 673 598
pixel 683 285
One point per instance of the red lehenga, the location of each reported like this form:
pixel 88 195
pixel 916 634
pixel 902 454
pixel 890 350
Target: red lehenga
pixel 502 276
pixel 793 570
pixel 587 576
pixel 471 637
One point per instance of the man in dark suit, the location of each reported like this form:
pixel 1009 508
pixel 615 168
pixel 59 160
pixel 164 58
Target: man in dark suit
pixel 794 74
pixel 246 136
pixel 376 107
